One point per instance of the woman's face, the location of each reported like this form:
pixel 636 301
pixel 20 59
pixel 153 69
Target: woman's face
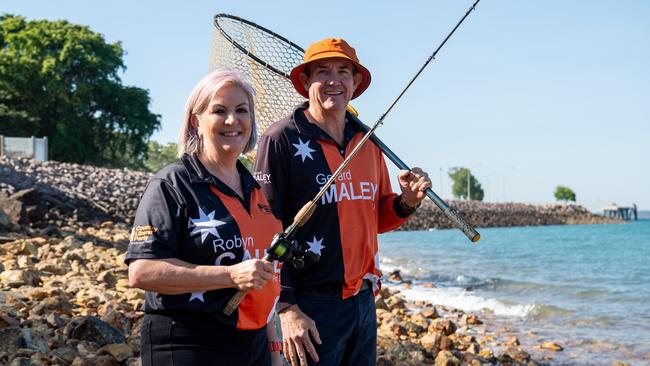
pixel 226 124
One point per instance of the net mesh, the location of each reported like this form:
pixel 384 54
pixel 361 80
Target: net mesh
pixel 265 59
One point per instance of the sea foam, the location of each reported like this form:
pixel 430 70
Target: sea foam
pixel 462 299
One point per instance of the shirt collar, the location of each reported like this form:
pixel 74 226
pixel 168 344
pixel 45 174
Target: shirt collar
pixel 307 128
pixel 199 174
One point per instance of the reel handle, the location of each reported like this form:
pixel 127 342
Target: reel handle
pixel 234 302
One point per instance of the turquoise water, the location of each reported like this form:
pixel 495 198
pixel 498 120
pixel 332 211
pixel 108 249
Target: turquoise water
pixel 586 287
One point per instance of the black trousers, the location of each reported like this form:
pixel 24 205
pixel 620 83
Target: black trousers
pixel 348 328
pixel 191 340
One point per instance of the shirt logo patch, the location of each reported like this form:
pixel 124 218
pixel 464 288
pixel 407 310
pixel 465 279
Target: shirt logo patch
pixel 141 234
pixel 261 177
pixel 303 150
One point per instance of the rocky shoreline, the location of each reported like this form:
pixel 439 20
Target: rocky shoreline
pixel 66 301
pixel 43 196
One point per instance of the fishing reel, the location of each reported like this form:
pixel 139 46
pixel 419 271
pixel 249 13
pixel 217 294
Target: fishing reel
pixel 283 249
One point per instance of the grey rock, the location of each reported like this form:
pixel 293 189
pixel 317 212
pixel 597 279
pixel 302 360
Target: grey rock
pixel 11 339
pixel 21 361
pixel 91 328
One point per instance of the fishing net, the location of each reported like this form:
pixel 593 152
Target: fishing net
pixel 264 58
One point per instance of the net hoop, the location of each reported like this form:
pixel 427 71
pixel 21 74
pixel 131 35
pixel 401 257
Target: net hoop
pixel 224 32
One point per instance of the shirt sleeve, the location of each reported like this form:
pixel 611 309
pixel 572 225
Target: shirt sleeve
pixel 271 172
pixel 157 223
pixel 391 216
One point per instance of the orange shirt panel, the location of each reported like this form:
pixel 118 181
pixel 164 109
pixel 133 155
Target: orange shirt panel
pixel 358 190
pixel 257 230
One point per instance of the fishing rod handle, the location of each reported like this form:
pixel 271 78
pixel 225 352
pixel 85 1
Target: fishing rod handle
pixel 237 298
pixel 234 302
pixel 458 220
pixel 301 217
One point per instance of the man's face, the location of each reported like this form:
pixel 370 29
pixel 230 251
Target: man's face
pixel 331 83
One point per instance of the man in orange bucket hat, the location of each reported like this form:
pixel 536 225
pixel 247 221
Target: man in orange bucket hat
pixel 327 308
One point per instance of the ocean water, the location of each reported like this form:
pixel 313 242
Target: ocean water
pixel 586 287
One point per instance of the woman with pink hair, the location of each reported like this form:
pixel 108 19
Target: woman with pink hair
pixel 199 236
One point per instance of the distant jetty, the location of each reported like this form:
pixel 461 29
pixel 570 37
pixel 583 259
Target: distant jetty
pixel 621 212
pixel 44 196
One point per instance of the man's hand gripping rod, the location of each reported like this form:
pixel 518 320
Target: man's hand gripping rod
pixel 458 220
pixel 280 240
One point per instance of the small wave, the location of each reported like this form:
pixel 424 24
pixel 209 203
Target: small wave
pixel 586 294
pixel 420 273
pixel 545 311
pixel 598 322
pixel 408 272
pixel 461 299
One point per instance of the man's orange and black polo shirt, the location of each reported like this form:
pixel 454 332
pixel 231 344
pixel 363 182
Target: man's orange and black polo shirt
pixel 294 160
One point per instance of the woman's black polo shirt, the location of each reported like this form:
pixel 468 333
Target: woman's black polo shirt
pixel 187 213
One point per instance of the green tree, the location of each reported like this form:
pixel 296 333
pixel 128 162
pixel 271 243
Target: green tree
pixel 61 80
pixel 160 155
pixel 459 189
pixel 248 161
pixel 564 194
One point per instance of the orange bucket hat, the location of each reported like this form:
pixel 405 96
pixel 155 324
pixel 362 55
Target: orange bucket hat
pixel 330 48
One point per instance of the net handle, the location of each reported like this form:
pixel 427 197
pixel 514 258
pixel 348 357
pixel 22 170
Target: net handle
pixel 244 50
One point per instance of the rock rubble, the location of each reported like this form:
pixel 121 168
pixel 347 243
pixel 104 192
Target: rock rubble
pixel 63 190
pixel 66 301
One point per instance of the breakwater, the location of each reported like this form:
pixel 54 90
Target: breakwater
pixel 490 214
pixel 46 195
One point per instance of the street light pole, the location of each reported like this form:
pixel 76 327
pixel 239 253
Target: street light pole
pixel 441 189
pixel 469 188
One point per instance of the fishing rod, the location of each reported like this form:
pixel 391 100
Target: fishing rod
pixel 283 243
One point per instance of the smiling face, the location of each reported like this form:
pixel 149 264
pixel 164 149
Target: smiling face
pixel 225 124
pixel 331 83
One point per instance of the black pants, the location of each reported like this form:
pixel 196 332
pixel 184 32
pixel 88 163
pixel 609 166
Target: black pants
pixel 191 340
pixel 348 328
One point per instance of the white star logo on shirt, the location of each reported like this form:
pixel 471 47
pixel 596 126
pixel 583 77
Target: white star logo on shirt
pixel 206 224
pixel 303 150
pixel 196 295
pixel 315 245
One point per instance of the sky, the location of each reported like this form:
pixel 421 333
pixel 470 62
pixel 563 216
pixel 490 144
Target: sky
pixel 527 94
